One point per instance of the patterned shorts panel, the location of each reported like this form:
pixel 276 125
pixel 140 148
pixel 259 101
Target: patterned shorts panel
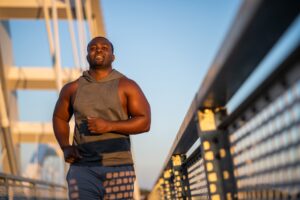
pixel 119 185
pixel 108 183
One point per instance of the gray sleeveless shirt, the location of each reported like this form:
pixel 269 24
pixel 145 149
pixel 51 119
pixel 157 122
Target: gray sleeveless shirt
pixel 100 99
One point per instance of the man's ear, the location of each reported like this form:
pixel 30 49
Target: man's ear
pixel 113 58
pixel 87 58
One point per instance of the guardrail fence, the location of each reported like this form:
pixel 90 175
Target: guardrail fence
pixel 18 188
pixel 252 151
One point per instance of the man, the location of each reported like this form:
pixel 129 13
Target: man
pixel 108 107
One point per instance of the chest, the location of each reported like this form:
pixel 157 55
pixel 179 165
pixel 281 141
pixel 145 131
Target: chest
pixel 95 98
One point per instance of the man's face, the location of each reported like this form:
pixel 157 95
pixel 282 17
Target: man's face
pixel 100 53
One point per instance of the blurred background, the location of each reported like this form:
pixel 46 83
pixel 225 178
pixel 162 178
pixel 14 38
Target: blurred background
pixel 170 48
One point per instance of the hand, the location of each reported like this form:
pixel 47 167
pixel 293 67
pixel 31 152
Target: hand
pixel 98 125
pixel 71 154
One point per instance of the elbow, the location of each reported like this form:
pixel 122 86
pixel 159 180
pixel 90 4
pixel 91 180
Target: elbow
pixel 147 121
pixel 147 126
pixel 147 129
pixel 141 125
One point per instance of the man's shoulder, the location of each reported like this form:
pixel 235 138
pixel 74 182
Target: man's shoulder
pixel 128 86
pixel 125 81
pixel 70 87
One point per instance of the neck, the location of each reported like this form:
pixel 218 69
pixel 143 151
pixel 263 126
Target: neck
pixel 99 74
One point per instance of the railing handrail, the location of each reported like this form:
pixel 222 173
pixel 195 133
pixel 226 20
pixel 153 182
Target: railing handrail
pixel 29 180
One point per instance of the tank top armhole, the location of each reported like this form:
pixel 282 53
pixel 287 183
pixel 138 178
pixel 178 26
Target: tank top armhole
pixel 123 113
pixel 76 92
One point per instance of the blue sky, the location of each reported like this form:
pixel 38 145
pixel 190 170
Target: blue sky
pixel 165 46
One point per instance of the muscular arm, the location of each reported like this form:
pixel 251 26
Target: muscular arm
pixel 138 109
pixel 62 115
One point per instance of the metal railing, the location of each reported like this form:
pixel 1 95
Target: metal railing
pixel 15 187
pixel 253 151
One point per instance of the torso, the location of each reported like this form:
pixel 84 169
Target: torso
pixel 106 99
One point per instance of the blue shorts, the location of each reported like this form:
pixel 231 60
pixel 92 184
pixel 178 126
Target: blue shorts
pixel 100 183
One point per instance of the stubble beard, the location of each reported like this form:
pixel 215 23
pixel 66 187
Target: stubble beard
pixel 99 66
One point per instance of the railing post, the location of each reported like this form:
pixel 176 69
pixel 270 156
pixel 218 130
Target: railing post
pixel 216 155
pixel 35 189
pixel 7 187
pixel 180 177
pixel 157 193
pixel 168 185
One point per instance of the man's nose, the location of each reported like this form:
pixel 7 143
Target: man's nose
pixel 98 49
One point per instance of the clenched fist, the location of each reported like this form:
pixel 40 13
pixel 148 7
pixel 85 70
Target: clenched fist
pixel 98 125
pixel 71 154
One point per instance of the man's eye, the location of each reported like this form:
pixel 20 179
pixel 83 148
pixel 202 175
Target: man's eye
pixel 92 48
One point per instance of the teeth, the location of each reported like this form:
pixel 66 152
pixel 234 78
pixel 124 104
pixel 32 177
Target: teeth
pixel 99 57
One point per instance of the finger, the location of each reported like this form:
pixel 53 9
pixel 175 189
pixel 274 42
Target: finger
pixel 70 160
pixel 90 127
pixel 93 129
pixel 78 156
pixel 76 152
pixel 89 119
pixel 92 124
pixel 69 157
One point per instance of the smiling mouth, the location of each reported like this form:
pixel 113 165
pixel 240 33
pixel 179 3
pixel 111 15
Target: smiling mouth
pixel 99 58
